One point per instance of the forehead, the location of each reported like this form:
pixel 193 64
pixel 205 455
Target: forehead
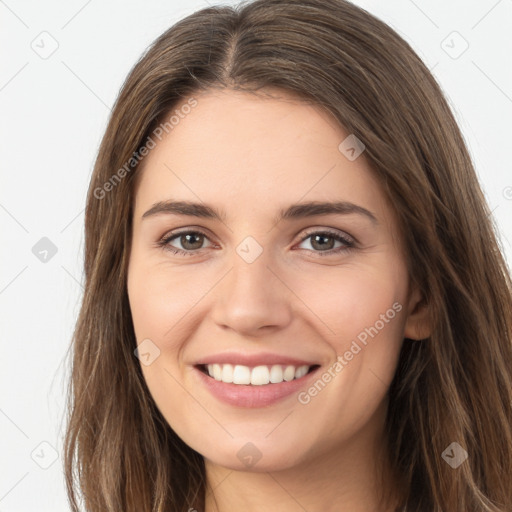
pixel 252 150
pixel 278 128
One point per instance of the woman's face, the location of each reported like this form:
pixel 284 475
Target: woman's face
pixel 266 284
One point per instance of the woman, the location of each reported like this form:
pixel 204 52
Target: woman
pixel 295 299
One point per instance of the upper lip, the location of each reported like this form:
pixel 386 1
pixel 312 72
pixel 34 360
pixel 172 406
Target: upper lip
pixel 262 359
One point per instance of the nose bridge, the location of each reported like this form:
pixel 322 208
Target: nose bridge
pixel 251 274
pixel 251 296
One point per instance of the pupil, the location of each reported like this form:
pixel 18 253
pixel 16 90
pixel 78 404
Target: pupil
pixel 323 245
pixel 185 239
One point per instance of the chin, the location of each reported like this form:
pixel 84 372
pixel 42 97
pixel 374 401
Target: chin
pixel 255 456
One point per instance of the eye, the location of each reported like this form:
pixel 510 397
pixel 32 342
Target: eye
pixel 323 242
pixel 190 241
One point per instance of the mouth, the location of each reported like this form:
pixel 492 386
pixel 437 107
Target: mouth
pixel 261 375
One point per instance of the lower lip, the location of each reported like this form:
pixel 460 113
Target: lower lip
pixel 253 396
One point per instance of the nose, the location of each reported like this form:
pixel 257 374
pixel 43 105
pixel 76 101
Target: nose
pixel 252 298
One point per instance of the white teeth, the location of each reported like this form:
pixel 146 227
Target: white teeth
pixel 257 376
pixel 260 376
pixel 289 373
pixel 241 375
pixel 301 371
pixel 276 374
pixel 217 372
pixel 227 373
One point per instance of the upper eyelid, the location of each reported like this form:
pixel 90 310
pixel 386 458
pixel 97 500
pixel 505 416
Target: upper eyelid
pixel 328 231
pixel 169 235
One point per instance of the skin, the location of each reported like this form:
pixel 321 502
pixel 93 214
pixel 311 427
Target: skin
pixel 250 156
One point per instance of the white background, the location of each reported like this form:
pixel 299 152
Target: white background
pixel 54 112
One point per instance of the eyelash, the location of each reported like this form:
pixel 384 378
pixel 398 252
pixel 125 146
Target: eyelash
pixel 349 242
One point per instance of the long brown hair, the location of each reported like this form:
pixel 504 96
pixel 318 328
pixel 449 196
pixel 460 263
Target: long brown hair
pixel 454 387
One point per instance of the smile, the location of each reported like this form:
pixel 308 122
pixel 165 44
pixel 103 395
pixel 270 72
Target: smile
pixel 254 386
pixel 256 376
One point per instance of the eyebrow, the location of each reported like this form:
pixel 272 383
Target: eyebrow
pixel 295 211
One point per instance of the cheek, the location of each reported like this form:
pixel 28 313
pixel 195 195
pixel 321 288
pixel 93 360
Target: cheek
pixel 162 304
pixel 363 320
pixel 368 307
pixel 160 301
pixel 349 301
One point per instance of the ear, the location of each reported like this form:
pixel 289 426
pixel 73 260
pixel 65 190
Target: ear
pixel 418 324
